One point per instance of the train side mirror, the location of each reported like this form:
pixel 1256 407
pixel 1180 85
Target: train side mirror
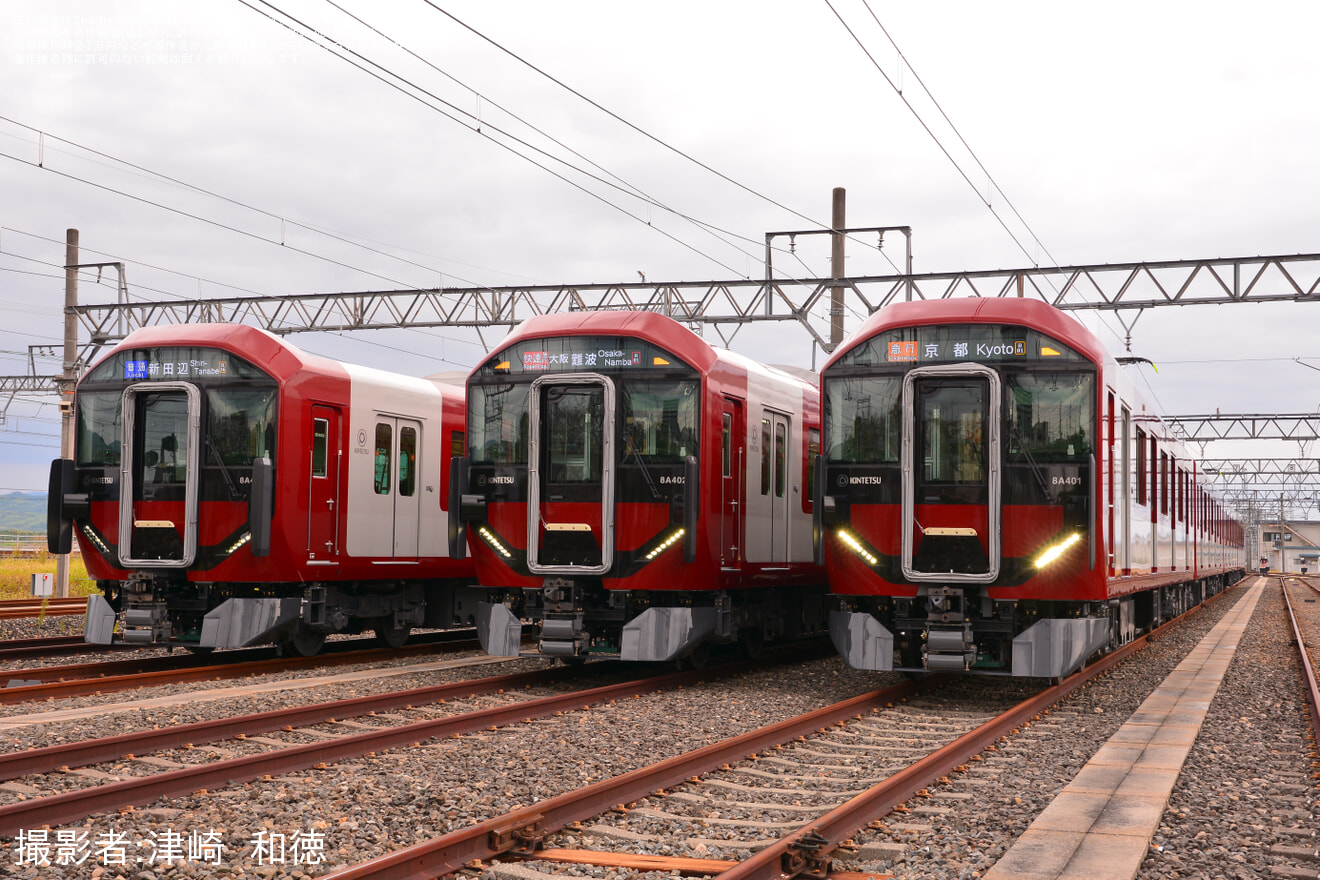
pixel 261 505
pixel 691 508
pixel 818 510
pixel 458 486
pixel 62 506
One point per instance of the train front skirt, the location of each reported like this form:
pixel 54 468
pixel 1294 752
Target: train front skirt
pixel 235 623
pixel 1050 648
pixel 658 634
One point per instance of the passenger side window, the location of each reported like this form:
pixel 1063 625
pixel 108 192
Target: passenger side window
pixel 407 462
pixel 384 453
pixel 320 443
pixel 813 453
pixel 765 456
pixel 781 462
pixel 727 466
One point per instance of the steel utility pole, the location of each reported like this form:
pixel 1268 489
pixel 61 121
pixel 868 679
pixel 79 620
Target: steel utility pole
pixel 68 379
pixel 837 240
pixel 1283 544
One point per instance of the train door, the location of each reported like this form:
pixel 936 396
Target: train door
pixel 159 474
pixel 733 484
pixel 407 503
pixel 951 474
pixel 1124 538
pixel 323 502
pixel 779 505
pixel 391 515
pixel 570 507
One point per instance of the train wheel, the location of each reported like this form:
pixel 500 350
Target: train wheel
pixel 392 636
pixel 304 642
pixel 752 640
pixel 699 656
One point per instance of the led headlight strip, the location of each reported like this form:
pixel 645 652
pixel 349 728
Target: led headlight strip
pixel 856 546
pixel 1054 552
pixel 665 545
pixel 494 542
pixel 239 543
pixel 96 539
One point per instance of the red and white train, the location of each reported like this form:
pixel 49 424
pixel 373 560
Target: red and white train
pixel 228 489
pixel 636 493
pixel 995 497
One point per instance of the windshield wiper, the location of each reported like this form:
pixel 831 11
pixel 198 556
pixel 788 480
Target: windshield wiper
pixel 646 472
pixel 224 469
pixel 1035 468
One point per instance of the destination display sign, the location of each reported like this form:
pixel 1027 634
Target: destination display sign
pixel 956 343
pixel 580 354
pixel 173 364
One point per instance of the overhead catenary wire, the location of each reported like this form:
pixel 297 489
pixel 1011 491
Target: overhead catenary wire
pixel 926 127
pixel 414 91
pixel 86 274
pixel 638 191
pixel 241 204
pixel 631 125
pixel 954 128
pixel 943 149
pixel 216 223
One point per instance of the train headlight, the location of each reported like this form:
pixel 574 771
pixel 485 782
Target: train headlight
pixel 665 545
pixel 239 543
pixel 1050 554
pixel 96 540
pixel 855 545
pixel 494 542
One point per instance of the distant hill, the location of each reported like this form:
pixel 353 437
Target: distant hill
pixel 23 512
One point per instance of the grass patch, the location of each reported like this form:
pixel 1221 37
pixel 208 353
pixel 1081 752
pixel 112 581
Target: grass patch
pixel 16 575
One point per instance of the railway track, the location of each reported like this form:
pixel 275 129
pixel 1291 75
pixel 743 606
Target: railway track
pixel 73 680
pixel 803 785
pixel 13 609
pixel 1308 645
pixel 16 650
pixel 386 721
pixel 794 783
pixel 1297 852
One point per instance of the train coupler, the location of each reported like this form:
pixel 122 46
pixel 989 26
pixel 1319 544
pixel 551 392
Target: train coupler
pixel 146 624
pixel 950 649
pixel 563 624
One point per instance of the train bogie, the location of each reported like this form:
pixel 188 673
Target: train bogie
pixel 228 489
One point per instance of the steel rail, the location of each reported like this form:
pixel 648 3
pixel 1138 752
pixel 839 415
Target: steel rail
pixel 81 686
pixel 110 748
pixel 688 867
pixel 1308 665
pixel 811 846
pixel 524 827
pixel 519 832
pixel 15 609
pixel 25 649
pixel 60 809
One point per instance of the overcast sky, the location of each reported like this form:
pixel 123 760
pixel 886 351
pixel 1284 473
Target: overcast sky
pixel 1123 132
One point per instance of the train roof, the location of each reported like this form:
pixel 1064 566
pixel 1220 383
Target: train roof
pixel 263 349
pixel 653 327
pixel 978 310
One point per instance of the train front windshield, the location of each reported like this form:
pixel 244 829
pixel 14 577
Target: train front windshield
pixel 172 424
pixel 655 396
pixel 954 422
pixel 574 425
